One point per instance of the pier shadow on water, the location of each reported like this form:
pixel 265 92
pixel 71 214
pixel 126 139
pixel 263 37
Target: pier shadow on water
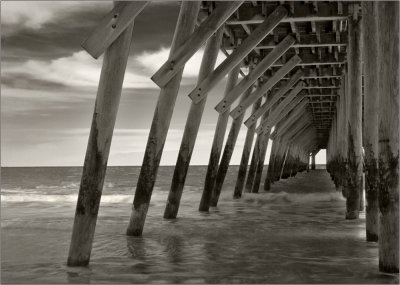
pixel 294 234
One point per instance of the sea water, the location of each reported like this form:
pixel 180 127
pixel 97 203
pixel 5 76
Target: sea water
pixel 294 234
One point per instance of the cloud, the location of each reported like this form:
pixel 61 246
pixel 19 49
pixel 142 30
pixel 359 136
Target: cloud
pixel 34 14
pixel 77 70
pixel 81 70
pixel 153 60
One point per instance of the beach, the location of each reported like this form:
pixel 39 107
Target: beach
pixel 294 234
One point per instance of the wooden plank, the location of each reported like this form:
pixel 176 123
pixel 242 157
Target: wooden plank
pixel 101 131
pixel 238 55
pixel 260 68
pixel 306 40
pixel 300 45
pixel 216 148
pixel 178 59
pixel 242 106
pixel 388 70
pixel 258 19
pixel 160 125
pixel 111 26
pixel 277 96
pixel 191 129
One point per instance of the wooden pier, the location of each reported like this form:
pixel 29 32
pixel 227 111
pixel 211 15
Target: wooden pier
pixel 313 75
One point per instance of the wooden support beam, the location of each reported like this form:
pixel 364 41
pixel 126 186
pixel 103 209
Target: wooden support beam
pixel 258 19
pixel 305 41
pixel 242 106
pixel 289 120
pixel 248 30
pixel 244 161
pixel 216 149
pixel 371 108
pixel 227 154
pixel 280 155
pixel 271 164
pixel 298 127
pixel 260 164
pixel 254 74
pixel 277 96
pixel 191 129
pixel 160 125
pixel 254 159
pixel 95 166
pixel 354 185
pixel 238 55
pixel 267 124
pixel 311 60
pixel 306 45
pixel 112 26
pixel 298 103
pixel 206 29
pixel 388 70
pixel 283 109
pixel 313 161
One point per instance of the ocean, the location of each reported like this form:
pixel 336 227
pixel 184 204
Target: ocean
pixel 294 234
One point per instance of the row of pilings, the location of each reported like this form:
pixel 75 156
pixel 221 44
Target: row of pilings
pixel 294 135
pixel 365 132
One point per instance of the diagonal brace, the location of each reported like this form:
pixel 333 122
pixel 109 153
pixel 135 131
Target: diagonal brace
pixel 241 108
pixel 206 29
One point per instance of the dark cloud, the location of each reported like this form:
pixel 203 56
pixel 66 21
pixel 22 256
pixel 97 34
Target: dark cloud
pixel 62 36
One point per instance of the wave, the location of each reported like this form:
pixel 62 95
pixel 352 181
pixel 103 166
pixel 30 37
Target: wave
pixel 63 198
pixel 285 197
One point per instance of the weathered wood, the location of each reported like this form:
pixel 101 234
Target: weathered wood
pixel 300 12
pixel 297 103
pixel 313 161
pixel 179 58
pixel 293 117
pixel 265 107
pixel 227 154
pixel 280 154
pixel 254 74
pixel 388 70
pixel 111 26
pixel 291 19
pixel 258 146
pixel 282 109
pixel 94 168
pixel 160 125
pixel 217 147
pixel 271 164
pixel 371 107
pixel 191 130
pixel 238 55
pixel 286 162
pixel 354 156
pixel 260 164
pixel 306 41
pixel 242 106
pixel 241 177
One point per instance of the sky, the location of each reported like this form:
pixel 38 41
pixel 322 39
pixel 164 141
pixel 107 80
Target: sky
pixel 49 84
